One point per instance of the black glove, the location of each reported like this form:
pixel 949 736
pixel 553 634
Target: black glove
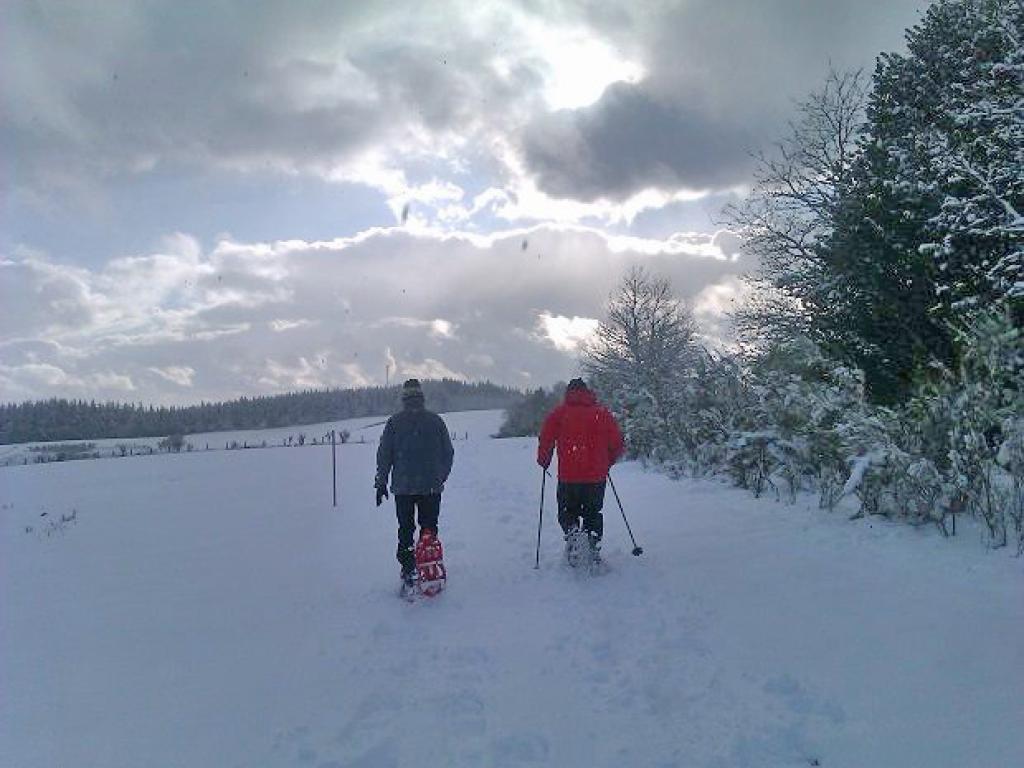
pixel 382 493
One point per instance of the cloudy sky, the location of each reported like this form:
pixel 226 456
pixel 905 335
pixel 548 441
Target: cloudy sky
pixel 200 200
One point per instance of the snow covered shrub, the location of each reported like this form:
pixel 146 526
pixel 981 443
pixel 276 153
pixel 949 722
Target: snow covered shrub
pixel 641 420
pixel 923 494
pixel 706 405
pixel 953 432
pixel 988 395
pixel 873 461
pixel 1011 458
pixel 754 460
pixel 888 470
pixel 797 399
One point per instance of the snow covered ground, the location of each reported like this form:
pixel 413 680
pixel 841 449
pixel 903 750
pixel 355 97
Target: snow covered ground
pixel 26 453
pixel 213 609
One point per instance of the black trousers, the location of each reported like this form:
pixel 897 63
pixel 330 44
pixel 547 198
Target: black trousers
pixel 422 508
pixel 581 501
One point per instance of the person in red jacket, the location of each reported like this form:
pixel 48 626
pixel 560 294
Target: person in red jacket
pixel 589 441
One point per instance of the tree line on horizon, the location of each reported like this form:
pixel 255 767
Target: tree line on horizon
pixel 63 419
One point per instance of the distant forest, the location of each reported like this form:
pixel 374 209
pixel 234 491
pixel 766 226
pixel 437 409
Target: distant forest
pixel 526 417
pixel 55 419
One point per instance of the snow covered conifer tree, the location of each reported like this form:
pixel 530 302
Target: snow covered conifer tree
pixel 967 58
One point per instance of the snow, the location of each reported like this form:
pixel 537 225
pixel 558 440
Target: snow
pixel 360 428
pixel 213 609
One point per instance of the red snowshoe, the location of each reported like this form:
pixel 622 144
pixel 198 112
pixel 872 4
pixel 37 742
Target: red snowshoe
pixel 430 563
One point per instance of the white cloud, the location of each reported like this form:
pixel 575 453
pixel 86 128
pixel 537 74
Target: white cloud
pixel 438 327
pixel 713 306
pixel 442 329
pixel 30 380
pixel 217 333
pixel 284 377
pixel 566 333
pixel 108 380
pixel 429 369
pixel 244 318
pixel 720 298
pixel 278 325
pixel 728 242
pixel 181 375
pixel 354 376
pixel 45 374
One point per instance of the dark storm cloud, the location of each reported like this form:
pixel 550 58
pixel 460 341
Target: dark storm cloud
pixel 629 141
pixel 161 90
pixel 721 79
pixel 91 94
pixel 95 92
pixel 159 116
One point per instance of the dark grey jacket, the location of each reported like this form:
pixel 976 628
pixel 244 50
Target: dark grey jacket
pixel 416 450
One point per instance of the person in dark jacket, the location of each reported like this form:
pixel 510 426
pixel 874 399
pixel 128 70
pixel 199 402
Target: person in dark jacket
pixel 416 451
pixel 589 441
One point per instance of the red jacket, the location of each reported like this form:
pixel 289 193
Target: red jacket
pixel 588 438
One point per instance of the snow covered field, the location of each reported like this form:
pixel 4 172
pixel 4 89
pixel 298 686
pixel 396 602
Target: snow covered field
pixel 213 609
pixel 22 453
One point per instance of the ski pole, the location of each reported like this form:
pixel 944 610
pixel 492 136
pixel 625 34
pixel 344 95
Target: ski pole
pixel 540 520
pixel 637 550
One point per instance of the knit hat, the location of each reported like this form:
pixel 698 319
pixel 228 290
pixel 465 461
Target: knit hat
pixel 412 390
pixel 576 384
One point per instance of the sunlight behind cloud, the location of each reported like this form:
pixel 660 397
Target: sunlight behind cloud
pixel 581 68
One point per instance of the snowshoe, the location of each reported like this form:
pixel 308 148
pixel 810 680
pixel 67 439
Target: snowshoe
pixel 409 588
pixel 430 570
pixel 577 548
pixel 583 551
pixel 596 565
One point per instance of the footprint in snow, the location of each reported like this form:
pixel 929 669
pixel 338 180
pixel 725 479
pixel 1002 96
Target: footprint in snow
pixel 520 749
pixel 384 755
pixel 464 711
pixel 801 701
